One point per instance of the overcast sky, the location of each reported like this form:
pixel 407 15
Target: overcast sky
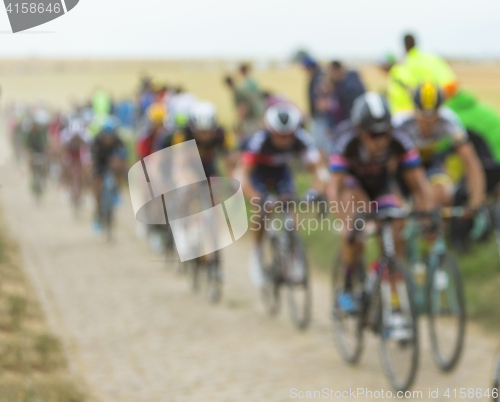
pixel 259 29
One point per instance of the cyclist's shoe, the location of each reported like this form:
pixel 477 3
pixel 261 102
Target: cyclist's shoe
pixel 117 199
pixel 397 328
pixel 156 242
pixel 96 227
pixel 257 276
pixel 348 303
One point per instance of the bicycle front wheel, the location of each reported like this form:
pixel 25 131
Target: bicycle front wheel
pixel 446 309
pixel 347 325
pixel 270 260
pixel 298 284
pixel 214 280
pixel 399 330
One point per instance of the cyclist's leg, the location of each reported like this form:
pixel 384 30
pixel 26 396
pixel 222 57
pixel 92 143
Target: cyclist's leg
pixel 353 196
pixel 97 180
pixel 442 185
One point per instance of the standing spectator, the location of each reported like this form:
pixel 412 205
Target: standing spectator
pixel 251 105
pixel 429 67
pixel 317 111
pixel 346 86
pixel 248 101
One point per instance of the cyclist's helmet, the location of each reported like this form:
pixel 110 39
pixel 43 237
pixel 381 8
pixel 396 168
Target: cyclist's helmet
pixel 282 119
pixel 202 116
pixel 156 113
pixel 370 111
pixel 428 98
pixel 76 126
pixel 109 126
pixel 41 117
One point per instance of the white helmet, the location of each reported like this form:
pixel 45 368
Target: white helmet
pixel 282 118
pixel 41 117
pixel 77 126
pixel 202 116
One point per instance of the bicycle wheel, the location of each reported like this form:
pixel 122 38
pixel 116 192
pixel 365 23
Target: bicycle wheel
pixel 271 266
pixel 107 216
pixel 347 326
pixel 214 280
pixel 446 309
pixel 37 185
pixel 496 381
pixel 193 269
pixel 169 246
pixel 398 326
pixel 298 284
pixel 76 192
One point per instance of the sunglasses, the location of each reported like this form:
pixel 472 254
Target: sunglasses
pixel 377 135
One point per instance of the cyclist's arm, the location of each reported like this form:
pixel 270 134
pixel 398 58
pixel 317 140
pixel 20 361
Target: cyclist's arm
pixel 321 175
pixel 335 187
pixel 419 187
pixel 475 175
pixel 246 182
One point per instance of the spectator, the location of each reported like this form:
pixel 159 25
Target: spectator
pixel 346 86
pixel 429 67
pixel 317 111
pixel 248 102
pixel 400 84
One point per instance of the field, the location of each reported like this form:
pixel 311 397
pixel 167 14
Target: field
pixel 60 83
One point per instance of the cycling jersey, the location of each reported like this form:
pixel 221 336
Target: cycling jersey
pixel 270 164
pixel 221 142
pixel 448 134
pixel 150 140
pixel 262 153
pixel 372 174
pixel 36 140
pixel 101 153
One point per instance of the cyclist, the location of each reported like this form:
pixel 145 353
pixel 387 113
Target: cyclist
pixel 75 157
pixel 153 132
pixel 436 132
pixel 107 152
pixel 36 139
pixel 211 139
pixel 265 167
pixel 367 154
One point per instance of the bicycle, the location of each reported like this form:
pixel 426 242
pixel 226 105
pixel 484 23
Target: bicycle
pixel 385 305
pixel 76 186
pixel 106 206
pixel 439 288
pixel 39 172
pixel 282 251
pixel 209 267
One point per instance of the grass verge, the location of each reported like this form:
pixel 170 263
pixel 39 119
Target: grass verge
pixel 32 364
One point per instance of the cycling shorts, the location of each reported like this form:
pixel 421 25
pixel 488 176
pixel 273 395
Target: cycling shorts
pixel 277 180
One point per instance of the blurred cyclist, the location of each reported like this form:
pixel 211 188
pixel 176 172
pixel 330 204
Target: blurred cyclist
pixel 436 132
pixel 108 152
pixel 265 167
pixel 36 139
pixel 366 154
pixel 211 139
pixel 153 132
pixel 75 141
